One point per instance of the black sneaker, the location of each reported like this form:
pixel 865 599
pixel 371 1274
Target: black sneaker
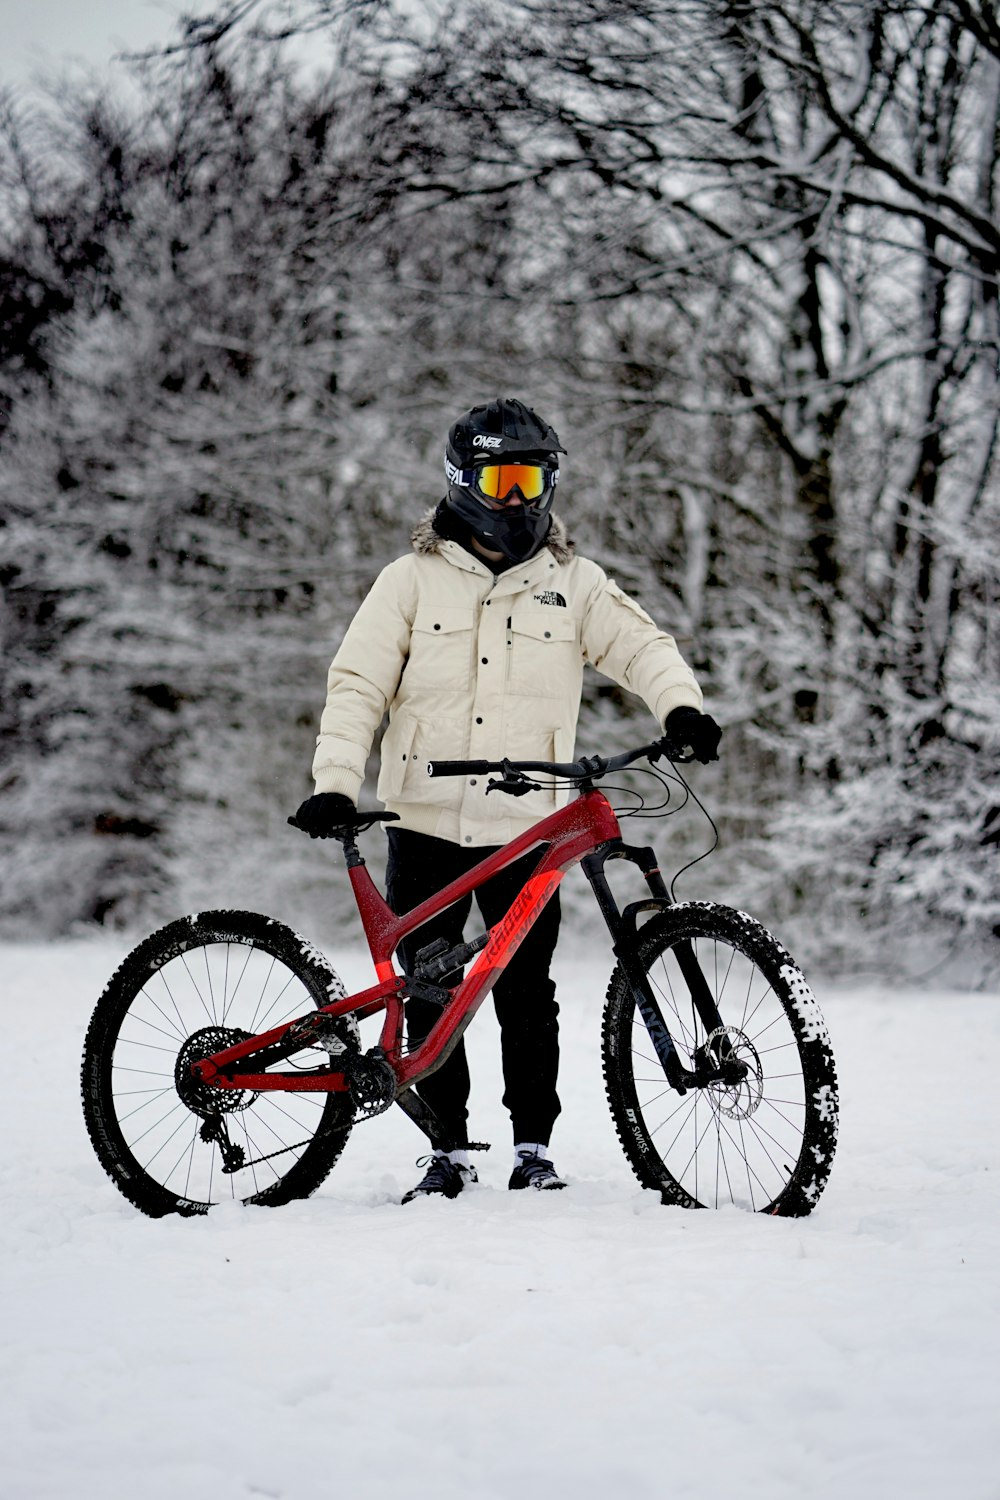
pixel 442 1176
pixel 534 1172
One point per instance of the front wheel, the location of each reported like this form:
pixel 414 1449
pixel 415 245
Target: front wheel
pixel 763 1136
pixel 171 1144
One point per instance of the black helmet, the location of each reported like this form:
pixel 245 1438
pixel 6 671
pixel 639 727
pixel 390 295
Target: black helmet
pixel 496 451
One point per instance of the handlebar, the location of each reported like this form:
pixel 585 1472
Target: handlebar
pixel 515 779
pixel 587 769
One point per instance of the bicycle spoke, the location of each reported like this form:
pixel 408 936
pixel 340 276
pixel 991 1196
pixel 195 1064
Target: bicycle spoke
pixel 187 1179
pixel 173 1035
pixel 236 987
pixel 194 985
pixel 762 1130
pixel 254 1023
pixel 164 1144
pixel 180 1031
pixel 307 1101
pixel 150 1046
pixel 132 1112
pixel 187 1151
pixel 689 1036
pixel 252 1151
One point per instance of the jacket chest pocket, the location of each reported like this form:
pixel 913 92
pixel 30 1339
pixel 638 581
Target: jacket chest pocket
pixel 543 654
pixel 440 655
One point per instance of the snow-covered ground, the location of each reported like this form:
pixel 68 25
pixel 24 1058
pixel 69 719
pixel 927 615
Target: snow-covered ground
pixel 585 1344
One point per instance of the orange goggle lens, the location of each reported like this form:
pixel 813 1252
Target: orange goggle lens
pixel 497 480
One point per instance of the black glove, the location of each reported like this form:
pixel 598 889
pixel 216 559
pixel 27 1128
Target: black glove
pixel 320 815
pixel 685 728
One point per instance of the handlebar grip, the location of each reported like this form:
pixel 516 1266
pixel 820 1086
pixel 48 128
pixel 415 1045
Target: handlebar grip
pixel 458 767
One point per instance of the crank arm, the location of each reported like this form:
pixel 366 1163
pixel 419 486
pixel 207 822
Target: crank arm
pixel 427 1121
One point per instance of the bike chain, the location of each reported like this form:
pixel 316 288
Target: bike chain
pixel 258 1159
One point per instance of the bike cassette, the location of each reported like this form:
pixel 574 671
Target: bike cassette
pixel 203 1098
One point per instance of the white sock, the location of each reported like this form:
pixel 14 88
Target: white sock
pixel 533 1148
pixel 458 1158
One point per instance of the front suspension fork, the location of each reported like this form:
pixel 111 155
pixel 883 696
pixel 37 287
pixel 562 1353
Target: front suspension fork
pixel 622 926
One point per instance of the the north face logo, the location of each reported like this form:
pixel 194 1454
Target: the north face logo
pixel 549 597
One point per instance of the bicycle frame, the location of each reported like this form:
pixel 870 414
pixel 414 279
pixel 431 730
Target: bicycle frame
pixel 585 832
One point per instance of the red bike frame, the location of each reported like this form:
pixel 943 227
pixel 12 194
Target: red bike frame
pixel 570 835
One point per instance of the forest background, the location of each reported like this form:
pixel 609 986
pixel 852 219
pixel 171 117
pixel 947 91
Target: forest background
pixel 744 257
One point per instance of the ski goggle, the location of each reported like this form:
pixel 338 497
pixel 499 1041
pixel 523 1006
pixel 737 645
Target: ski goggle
pixel 495 482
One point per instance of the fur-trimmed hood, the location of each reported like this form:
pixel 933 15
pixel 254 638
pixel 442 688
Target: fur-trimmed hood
pixel 425 539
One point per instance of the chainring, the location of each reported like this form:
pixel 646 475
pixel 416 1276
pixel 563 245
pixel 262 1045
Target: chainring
pixel 371 1082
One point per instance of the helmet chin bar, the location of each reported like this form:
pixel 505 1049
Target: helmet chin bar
pixel 517 533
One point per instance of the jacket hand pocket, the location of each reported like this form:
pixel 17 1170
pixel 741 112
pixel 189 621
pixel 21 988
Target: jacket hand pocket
pixel 409 743
pixel 397 748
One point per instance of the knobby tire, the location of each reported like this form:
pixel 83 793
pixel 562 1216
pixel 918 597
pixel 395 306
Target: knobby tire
pixel 219 976
pixel 766 1144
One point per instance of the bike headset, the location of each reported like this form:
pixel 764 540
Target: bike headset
pixel 494 453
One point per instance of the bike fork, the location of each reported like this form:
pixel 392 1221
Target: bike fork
pixel 623 936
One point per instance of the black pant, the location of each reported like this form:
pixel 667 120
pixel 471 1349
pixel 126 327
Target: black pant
pixel 524 995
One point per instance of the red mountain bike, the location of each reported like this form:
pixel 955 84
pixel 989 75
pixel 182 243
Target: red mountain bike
pixel 223 1060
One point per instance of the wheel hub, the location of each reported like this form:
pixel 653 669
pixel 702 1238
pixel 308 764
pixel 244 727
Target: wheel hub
pixel 201 1098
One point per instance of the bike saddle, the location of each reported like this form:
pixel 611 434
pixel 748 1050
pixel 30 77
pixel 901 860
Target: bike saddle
pixel 351 826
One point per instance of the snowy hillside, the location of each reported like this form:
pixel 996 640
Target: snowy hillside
pixel 511 1346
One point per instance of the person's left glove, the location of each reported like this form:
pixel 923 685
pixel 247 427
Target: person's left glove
pixel 319 815
pixel 687 729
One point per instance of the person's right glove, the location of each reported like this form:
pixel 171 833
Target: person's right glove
pixel 687 729
pixel 321 814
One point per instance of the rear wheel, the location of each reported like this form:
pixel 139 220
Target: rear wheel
pixel 172 1144
pixel 762 1137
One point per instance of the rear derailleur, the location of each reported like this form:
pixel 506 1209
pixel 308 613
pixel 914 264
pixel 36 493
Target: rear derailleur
pixel 233 1155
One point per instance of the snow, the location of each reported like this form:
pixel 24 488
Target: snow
pixel 586 1344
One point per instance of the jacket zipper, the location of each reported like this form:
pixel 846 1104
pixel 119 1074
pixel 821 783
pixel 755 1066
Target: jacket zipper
pixel 510 648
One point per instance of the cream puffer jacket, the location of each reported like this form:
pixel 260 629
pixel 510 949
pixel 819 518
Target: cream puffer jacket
pixel 475 666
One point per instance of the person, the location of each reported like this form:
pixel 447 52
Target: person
pixel 474 643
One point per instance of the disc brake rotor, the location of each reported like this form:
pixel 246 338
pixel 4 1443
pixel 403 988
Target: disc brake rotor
pixel 737 1098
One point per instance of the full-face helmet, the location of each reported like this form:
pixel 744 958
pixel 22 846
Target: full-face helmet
pixel 502 467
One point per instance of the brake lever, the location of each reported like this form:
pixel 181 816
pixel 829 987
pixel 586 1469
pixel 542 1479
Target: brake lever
pixel 514 782
pixel 519 787
pixel 680 755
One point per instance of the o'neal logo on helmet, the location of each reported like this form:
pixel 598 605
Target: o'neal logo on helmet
pixel 481 441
